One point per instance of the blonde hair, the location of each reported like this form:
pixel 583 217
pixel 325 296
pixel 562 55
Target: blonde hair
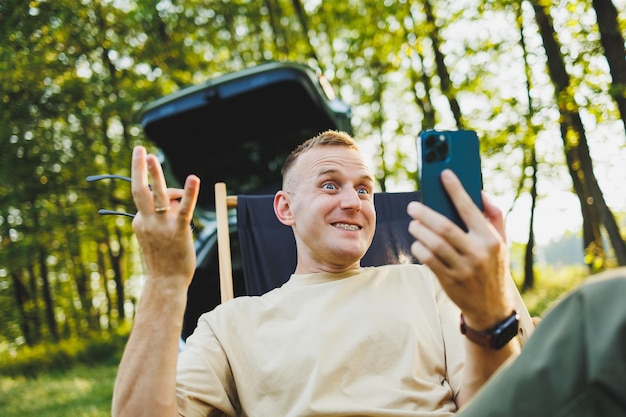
pixel 327 138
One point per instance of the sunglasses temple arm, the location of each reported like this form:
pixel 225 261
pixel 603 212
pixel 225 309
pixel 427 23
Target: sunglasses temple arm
pixel 105 212
pixel 107 176
pixel 92 178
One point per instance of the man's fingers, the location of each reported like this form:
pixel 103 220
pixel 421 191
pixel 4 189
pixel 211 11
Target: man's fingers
pixel 437 235
pixel 160 195
pixel 150 191
pixel 469 212
pixel 189 198
pixel 139 180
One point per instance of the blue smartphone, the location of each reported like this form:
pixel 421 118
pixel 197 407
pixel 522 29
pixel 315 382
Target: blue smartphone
pixel 458 150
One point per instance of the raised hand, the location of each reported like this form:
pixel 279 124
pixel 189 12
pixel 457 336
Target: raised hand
pixel 473 267
pixel 162 220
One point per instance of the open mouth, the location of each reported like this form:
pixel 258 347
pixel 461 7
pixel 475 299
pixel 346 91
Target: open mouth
pixel 345 226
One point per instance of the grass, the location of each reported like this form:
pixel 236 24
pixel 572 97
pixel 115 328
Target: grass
pixel 552 285
pixel 79 392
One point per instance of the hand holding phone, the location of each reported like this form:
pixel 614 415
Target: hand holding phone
pixel 457 150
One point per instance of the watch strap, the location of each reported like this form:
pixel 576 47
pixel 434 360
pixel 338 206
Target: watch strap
pixel 495 337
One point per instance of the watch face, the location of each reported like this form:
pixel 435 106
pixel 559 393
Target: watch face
pixel 505 332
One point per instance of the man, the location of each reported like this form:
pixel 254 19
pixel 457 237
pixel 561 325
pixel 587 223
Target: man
pixel 336 339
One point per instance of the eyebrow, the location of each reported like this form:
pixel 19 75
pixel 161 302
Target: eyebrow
pixel 330 171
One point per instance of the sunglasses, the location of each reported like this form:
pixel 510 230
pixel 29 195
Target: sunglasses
pixel 105 212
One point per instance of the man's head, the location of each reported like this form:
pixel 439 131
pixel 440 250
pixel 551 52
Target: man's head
pixel 328 200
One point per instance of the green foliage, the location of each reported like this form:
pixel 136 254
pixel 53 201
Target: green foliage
pixel 80 392
pixel 552 284
pixel 49 357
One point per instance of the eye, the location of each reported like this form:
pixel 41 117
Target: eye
pixel 329 186
pixel 364 189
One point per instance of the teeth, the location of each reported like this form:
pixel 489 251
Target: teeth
pixel 347 226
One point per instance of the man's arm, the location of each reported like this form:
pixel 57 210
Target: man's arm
pixel 473 269
pixel 146 379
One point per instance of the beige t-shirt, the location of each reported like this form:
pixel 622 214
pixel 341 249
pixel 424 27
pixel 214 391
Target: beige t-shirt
pixel 382 341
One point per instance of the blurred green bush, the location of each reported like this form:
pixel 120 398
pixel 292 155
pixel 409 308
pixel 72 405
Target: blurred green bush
pixel 31 361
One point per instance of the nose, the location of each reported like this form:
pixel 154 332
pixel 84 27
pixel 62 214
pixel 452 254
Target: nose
pixel 350 199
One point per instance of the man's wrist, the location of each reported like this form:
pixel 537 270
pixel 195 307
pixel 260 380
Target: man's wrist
pixel 495 337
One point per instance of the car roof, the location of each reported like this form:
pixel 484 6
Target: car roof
pixel 239 127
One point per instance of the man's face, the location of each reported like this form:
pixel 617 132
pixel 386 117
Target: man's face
pixel 332 204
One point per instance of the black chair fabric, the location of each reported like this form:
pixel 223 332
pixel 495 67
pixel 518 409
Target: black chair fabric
pixel 268 248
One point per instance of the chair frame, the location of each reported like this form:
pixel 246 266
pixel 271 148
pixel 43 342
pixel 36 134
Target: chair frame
pixel 222 203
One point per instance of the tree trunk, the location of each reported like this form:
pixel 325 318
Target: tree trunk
pixel 613 43
pixel 304 22
pixel 115 259
pixel 419 76
pixel 21 300
pixel 593 206
pixel 53 327
pixel 592 238
pixel 442 70
pixel 424 103
pixel 602 213
pixel 529 270
pixel 102 268
pixel 529 258
pixel 81 279
pixel 33 304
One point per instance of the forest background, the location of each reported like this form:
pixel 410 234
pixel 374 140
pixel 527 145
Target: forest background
pixel 542 82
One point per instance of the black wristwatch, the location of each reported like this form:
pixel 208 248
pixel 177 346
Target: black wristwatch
pixel 496 337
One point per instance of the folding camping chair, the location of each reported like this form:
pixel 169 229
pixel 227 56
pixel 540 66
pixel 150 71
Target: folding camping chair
pixel 268 249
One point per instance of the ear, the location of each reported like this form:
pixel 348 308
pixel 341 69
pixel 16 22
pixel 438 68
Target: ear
pixel 282 208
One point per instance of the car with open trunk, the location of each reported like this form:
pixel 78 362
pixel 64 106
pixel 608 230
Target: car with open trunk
pixel 236 128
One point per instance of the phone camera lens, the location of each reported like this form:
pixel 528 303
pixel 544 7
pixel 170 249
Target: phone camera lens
pixel 430 141
pixel 431 156
pixel 442 149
